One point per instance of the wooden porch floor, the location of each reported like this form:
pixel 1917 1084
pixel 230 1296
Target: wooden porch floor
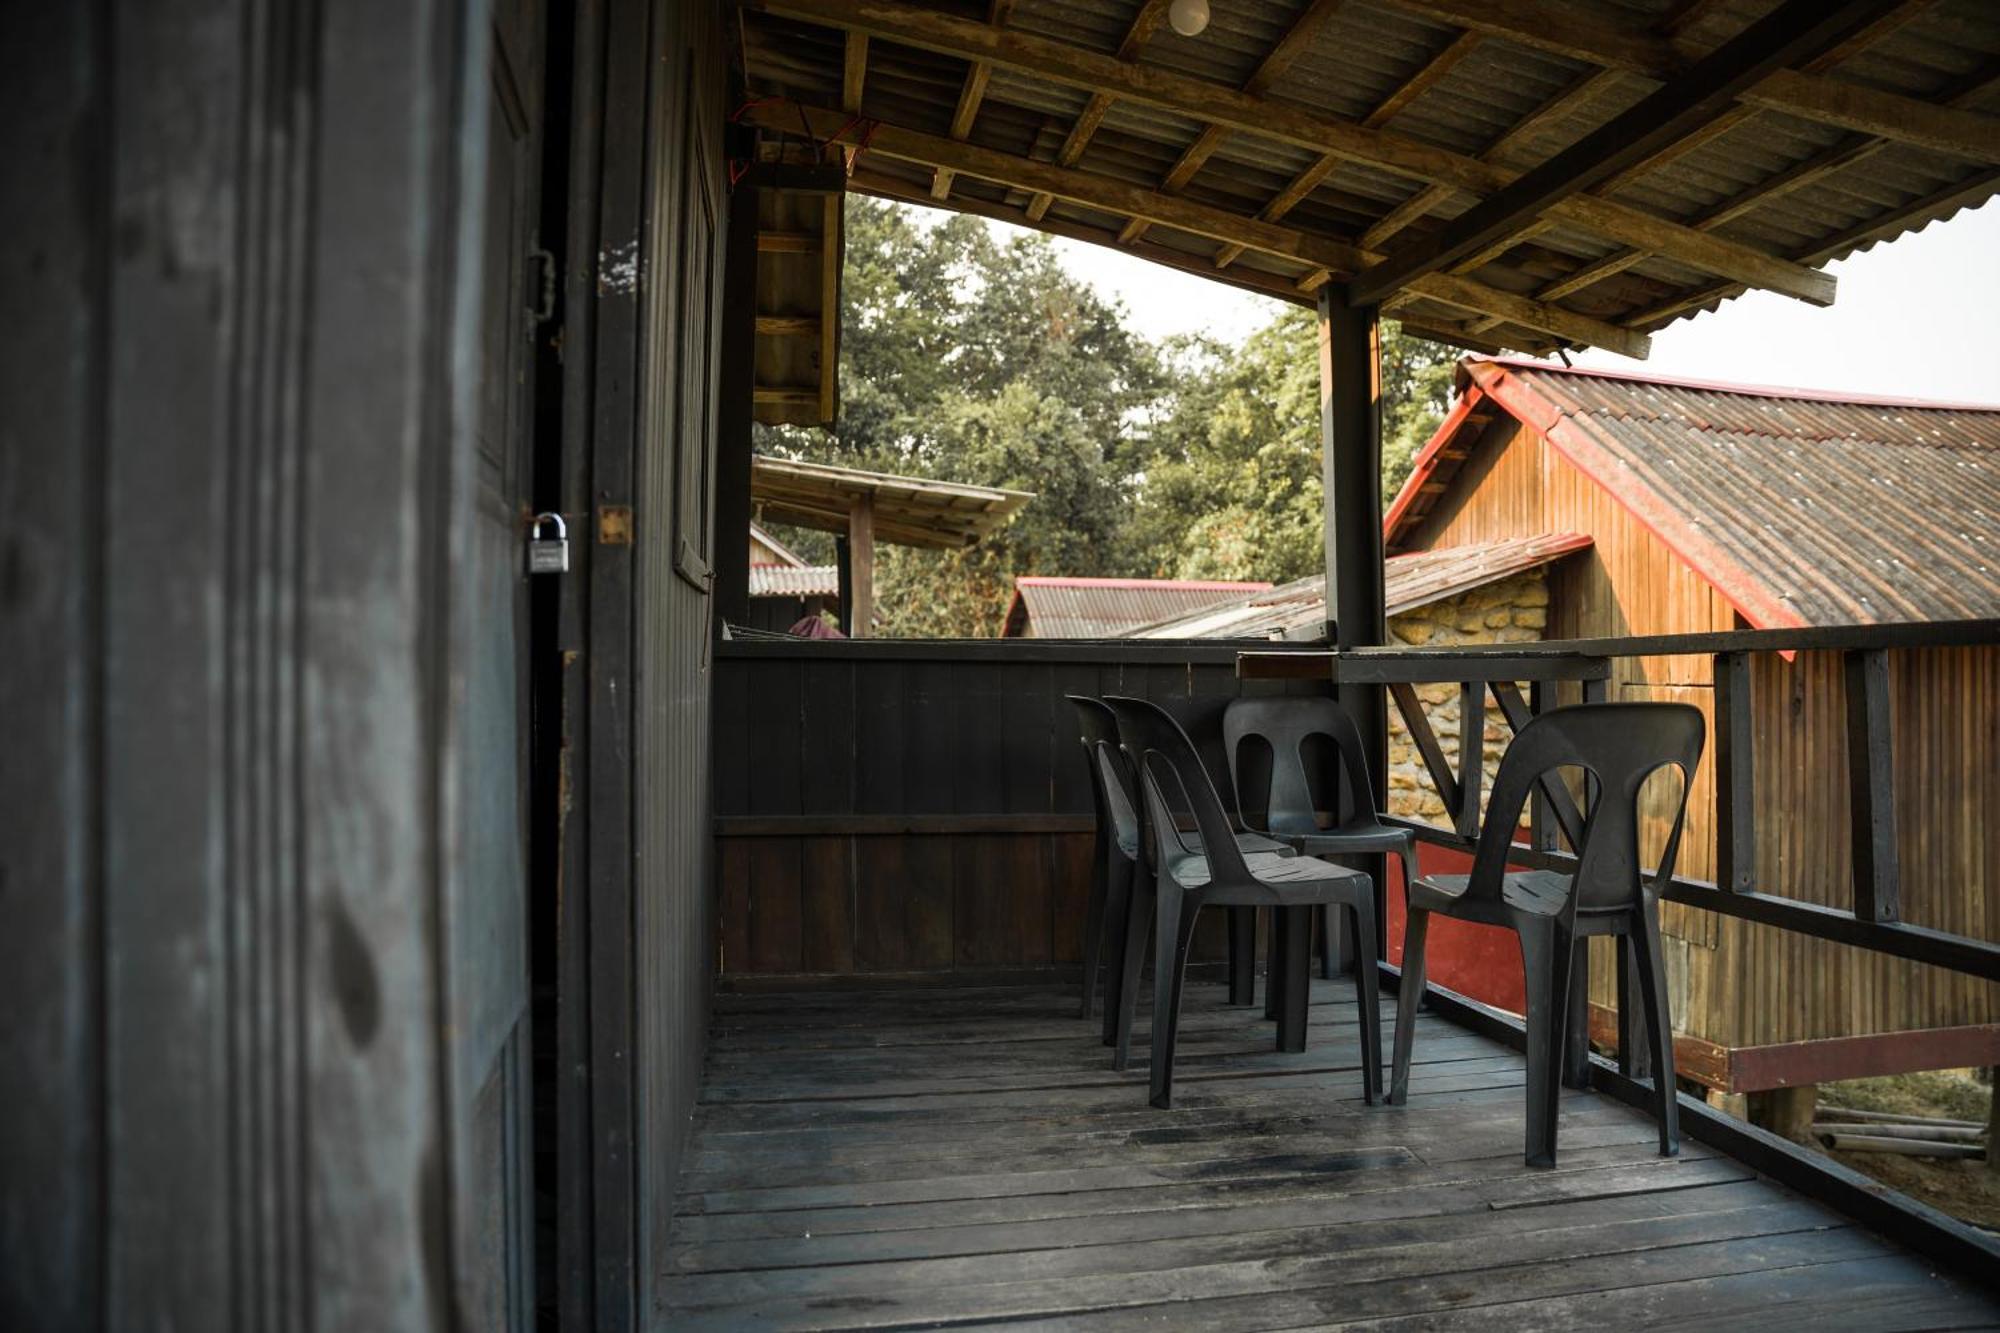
pixel 918 1157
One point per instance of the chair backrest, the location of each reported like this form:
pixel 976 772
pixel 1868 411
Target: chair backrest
pixel 1285 725
pixel 1161 754
pixel 1621 745
pixel 1110 776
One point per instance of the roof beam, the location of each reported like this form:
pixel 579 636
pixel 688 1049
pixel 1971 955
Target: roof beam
pixel 1203 100
pixel 854 70
pixel 1307 181
pixel 1144 24
pixel 1120 197
pixel 1297 39
pixel 1586 35
pixel 969 97
pixel 1797 30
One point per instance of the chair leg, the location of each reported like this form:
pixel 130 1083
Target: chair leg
pixel 1659 1024
pixel 1273 962
pixel 1292 975
pixel 1409 996
pixel 1543 960
pixel 1093 921
pixel 1117 924
pixel 1242 955
pixel 1138 930
pixel 1173 936
pixel 1368 991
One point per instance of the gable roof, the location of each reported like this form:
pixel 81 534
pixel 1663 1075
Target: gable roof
pixel 786 556
pixel 1297 610
pixel 1801 507
pixel 1082 608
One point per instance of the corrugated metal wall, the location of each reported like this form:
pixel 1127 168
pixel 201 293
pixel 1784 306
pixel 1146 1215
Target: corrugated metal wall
pixel 1735 983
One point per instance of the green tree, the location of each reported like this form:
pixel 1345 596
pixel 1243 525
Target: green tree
pixel 970 354
pixel 1232 484
pixel 966 357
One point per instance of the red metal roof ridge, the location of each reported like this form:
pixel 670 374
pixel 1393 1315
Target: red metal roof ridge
pixel 1576 438
pixel 1727 386
pixel 1173 585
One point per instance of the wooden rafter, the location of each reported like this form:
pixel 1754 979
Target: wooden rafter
pixel 1307 181
pixel 1220 104
pixel 1144 24
pixel 1851 150
pixel 854 71
pixel 1119 197
pixel 1588 36
pixel 1296 41
pixel 970 95
pixel 1797 30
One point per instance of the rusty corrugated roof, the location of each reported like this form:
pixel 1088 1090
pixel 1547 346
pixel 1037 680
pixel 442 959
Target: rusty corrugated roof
pixel 1802 507
pixel 1047 607
pixel 1298 609
pixel 1791 177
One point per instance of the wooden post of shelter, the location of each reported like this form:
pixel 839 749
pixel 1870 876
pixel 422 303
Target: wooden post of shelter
pixel 1350 379
pixel 859 600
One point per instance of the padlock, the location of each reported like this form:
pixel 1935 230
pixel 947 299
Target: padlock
pixel 548 555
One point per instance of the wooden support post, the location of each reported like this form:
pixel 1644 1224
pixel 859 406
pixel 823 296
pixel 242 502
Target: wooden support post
pixel 861 567
pixel 1471 754
pixel 1871 787
pixel 1350 397
pixel 1735 775
pixel 736 380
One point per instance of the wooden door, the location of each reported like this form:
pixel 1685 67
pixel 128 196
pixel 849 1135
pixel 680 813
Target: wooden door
pixel 488 1069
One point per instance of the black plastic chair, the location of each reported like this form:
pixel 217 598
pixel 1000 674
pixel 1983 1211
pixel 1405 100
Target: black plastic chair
pixel 1620 745
pixel 1178 884
pixel 1107 913
pixel 1284 726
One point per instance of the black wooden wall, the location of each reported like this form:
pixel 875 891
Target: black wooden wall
pixel 897 807
pixel 649 222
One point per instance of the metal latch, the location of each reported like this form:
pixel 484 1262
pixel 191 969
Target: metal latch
pixel 548 555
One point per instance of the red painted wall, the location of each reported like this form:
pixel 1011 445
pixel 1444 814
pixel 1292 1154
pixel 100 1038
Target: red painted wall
pixel 1483 962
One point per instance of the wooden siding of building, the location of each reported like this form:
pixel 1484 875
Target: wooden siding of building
pixel 1733 982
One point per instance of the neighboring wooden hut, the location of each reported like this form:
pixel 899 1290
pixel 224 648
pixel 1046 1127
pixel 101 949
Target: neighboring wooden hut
pixel 784 589
pixel 1719 507
pixel 1050 607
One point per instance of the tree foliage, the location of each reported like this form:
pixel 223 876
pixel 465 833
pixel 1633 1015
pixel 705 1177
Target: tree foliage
pixel 972 355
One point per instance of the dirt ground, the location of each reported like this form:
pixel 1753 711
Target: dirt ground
pixel 1967 1190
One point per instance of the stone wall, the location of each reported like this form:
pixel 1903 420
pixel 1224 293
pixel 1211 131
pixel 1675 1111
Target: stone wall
pixel 1515 610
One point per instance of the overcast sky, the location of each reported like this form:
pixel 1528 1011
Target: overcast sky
pixel 1917 318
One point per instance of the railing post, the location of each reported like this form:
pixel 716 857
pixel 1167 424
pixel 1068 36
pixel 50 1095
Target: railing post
pixel 1871 787
pixel 1735 775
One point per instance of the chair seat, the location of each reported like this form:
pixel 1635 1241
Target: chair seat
pixel 1286 881
pixel 1364 835
pixel 1250 844
pixel 1530 892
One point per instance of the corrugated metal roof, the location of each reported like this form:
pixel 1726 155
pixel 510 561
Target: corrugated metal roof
pixel 1801 507
pixel 1298 609
pixel 1047 607
pixel 794 580
pixel 1786 178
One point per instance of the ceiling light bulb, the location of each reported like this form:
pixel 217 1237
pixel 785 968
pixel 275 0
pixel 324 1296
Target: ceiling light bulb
pixel 1188 17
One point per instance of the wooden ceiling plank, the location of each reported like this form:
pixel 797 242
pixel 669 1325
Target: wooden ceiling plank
pixel 1797 30
pixel 1587 36
pixel 854 71
pixel 1144 24
pixel 970 95
pixel 1183 214
pixel 1284 53
pixel 1412 88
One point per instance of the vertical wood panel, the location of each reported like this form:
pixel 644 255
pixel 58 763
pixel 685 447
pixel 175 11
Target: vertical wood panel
pixel 826 894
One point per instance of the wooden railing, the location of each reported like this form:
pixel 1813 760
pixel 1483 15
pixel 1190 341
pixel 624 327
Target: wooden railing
pixel 1874 923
